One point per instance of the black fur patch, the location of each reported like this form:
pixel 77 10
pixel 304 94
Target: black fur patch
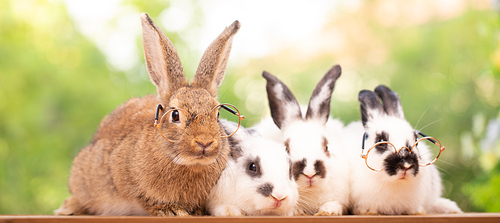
pixel 368 102
pixel 381 137
pixel 298 168
pixel 287 146
pixel 235 148
pixel 251 131
pixel 290 168
pixel 395 162
pixel 276 104
pixel 266 189
pixel 323 111
pixel 390 101
pixel 325 147
pixel 320 168
pixel 258 172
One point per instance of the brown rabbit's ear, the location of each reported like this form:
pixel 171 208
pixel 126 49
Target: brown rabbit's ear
pixel 162 61
pixel 212 68
pixel 284 107
pixel 391 102
pixel 319 104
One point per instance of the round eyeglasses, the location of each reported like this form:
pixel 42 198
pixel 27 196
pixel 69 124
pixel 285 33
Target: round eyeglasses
pixel 373 162
pixel 175 119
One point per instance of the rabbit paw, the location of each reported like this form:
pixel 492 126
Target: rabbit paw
pixel 168 210
pixel 445 206
pixel 366 211
pixel 71 206
pixel 227 210
pixel 420 211
pixel 330 208
pixel 233 211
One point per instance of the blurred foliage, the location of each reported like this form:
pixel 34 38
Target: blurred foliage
pixel 56 86
pixel 483 142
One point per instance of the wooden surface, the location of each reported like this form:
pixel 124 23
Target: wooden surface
pixel 468 217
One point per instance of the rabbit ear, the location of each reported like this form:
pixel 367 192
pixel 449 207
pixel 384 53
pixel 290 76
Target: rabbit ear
pixel 212 68
pixel 370 105
pixel 319 104
pixel 162 61
pixel 284 107
pixel 390 100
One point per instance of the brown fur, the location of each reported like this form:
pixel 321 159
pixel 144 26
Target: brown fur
pixel 129 168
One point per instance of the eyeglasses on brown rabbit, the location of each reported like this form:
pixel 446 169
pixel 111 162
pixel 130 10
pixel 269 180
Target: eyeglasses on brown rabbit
pixel 435 149
pixel 176 118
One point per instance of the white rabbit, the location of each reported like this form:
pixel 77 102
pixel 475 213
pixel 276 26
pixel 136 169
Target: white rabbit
pixel 400 183
pixel 257 179
pixel 320 174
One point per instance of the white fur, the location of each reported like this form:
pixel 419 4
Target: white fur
pixel 236 192
pixel 375 192
pixel 329 195
pixel 268 129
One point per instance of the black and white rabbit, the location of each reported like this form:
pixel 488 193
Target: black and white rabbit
pixel 320 174
pixel 399 183
pixel 257 179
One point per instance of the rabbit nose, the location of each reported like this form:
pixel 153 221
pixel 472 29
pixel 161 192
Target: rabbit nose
pixel 278 197
pixel 406 166
pixel 278 200
pixel 204 145
pixel 310 176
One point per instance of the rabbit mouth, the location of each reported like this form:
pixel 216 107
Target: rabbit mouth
pixel 203 157
pixel 311 181
pixel 405 174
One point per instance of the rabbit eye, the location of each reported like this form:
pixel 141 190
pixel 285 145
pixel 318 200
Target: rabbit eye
pixel 175 116
pixel 252 167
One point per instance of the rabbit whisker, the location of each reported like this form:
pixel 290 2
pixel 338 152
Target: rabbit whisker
pixel 421 116
pixel 441 169
pixel 227 90
pixel 448 163
pixel 430 124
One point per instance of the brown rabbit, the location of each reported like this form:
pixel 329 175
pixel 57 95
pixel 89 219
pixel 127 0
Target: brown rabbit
pixel 129 168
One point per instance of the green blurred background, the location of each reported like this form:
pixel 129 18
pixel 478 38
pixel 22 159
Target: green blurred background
pixel 58 79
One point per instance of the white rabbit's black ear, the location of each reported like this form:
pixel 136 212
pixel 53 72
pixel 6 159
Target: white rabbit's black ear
pixel 370 106
pixel 319 104
pixel 390 101
pixel 212 67
pixel 162 61
pixel 284 107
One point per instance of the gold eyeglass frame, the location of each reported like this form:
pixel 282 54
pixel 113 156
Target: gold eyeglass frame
pixel 396 151
pixel 227 107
